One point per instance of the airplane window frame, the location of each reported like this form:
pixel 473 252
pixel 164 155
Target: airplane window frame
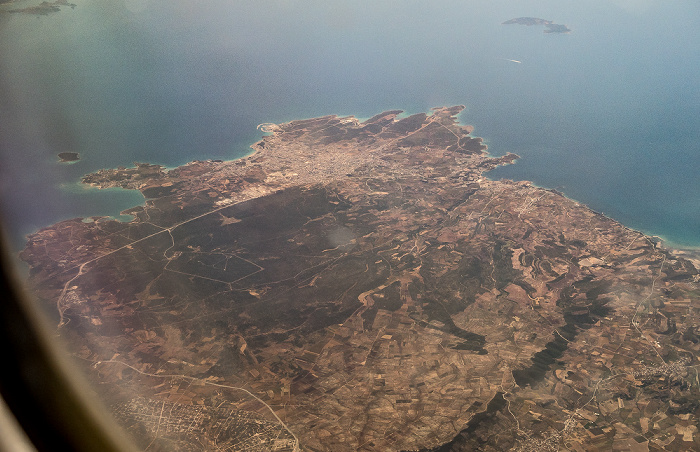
pixel 48 400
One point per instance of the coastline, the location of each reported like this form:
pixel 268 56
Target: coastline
pixel 658 239
pixel 396 214
pixel 83 188
pixel 257 146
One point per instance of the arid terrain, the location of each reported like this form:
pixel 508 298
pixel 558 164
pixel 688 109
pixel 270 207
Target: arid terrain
pixel 363 286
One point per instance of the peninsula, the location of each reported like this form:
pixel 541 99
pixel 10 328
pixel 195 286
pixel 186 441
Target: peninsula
pixel 362 285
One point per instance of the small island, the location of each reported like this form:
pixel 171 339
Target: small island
pixel 551 27
pixel 44 8
pixel 67 157
pixel 557 28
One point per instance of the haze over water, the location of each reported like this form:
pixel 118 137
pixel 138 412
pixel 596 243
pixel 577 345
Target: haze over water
pixel 607 114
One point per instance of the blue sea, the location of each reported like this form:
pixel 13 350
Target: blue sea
pixel 609 114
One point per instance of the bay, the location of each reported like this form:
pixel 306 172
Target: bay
pixel 608 114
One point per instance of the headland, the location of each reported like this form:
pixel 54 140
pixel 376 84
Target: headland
pixel 363 286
